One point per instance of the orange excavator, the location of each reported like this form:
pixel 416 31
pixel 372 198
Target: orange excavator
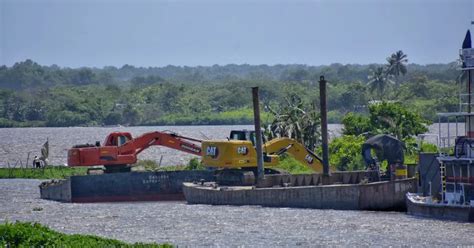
pixel 120 149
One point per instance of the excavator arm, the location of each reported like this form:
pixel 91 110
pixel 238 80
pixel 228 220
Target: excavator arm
pixel 121 149
pixel 170 140
pixel 279 146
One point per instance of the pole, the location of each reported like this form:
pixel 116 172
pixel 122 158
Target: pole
pixel 28 160
pixel 258 133
pixel 468 119
pixel 324 125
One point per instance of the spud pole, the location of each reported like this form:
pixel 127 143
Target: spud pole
pixel 324 125
pixel 258 133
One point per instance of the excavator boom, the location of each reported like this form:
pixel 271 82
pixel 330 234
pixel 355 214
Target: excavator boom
pixel 120 148
pixel 279 146
pixel 234 154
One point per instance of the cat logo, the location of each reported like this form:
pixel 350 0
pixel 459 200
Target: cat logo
pixel 212 151
pixel 242 150
pixel 309 159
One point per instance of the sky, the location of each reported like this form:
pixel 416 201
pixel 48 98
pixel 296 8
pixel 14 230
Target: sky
pixel 76 33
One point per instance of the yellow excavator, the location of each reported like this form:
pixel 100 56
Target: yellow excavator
pixel 237 156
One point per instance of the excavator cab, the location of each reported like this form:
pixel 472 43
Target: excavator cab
pixel 245 135
pixel 117 138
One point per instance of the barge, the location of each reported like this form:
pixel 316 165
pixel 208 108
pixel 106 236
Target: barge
pixel 347 191
pixel 130 186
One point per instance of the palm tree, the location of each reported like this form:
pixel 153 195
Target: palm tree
pixel 293 121
pixel 397 64
pixel 378 81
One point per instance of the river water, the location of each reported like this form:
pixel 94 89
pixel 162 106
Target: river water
pixel 17 143
pixel 229 226
pixel 202 225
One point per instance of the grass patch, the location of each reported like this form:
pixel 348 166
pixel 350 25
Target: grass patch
pixel 62 172
pixel 50 172
pixel 150 165
pixel 35 235
pixel 293 166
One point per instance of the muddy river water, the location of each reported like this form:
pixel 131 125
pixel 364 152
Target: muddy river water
pixel 201 225
pixel 224 226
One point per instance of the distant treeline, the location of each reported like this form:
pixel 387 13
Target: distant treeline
pixel 28 74
pixel 36 95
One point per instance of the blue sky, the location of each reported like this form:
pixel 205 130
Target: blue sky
pixel 98 33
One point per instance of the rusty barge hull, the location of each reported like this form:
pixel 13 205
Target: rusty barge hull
pixel 386 195
pixel 116 187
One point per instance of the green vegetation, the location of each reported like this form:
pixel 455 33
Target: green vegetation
pixel 151 165
pixel 35 95
pixel 345 153
pixel 293 166
pixel 35 235
pixel 384 118
pixel 50 172
pixel 296 121
pixel 389 118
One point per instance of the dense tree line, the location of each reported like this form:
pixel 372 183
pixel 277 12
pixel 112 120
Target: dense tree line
pixel 37 95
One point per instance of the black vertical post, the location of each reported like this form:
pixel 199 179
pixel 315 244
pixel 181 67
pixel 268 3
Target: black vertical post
pixel 469 100
pixel 324 125
pixel 469 91
pixel 258 132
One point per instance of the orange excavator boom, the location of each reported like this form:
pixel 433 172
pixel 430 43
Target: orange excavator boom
pixel 120 148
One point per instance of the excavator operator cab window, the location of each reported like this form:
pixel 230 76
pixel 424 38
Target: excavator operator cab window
pixel 238 135
pixel 121 140
pixel 244 135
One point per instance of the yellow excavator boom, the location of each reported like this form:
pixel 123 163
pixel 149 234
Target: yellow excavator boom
pixel 241 153
pixel 279 146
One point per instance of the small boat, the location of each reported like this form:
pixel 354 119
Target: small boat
pixel 447 179
pixel 418 205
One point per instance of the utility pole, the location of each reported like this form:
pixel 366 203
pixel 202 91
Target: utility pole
pixel 258 133
pixel 324 125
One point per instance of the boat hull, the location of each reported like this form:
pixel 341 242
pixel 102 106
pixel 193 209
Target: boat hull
pixel 132 186
pixel 439 211
pixel 388 195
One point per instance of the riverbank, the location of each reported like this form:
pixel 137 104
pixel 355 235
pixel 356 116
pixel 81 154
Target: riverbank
pixel 50 172
pixel 37 235
pixel 232 117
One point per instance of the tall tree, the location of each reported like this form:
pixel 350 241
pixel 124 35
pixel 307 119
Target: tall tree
pixel 378 81
pixel 294 121
pixel 397 64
